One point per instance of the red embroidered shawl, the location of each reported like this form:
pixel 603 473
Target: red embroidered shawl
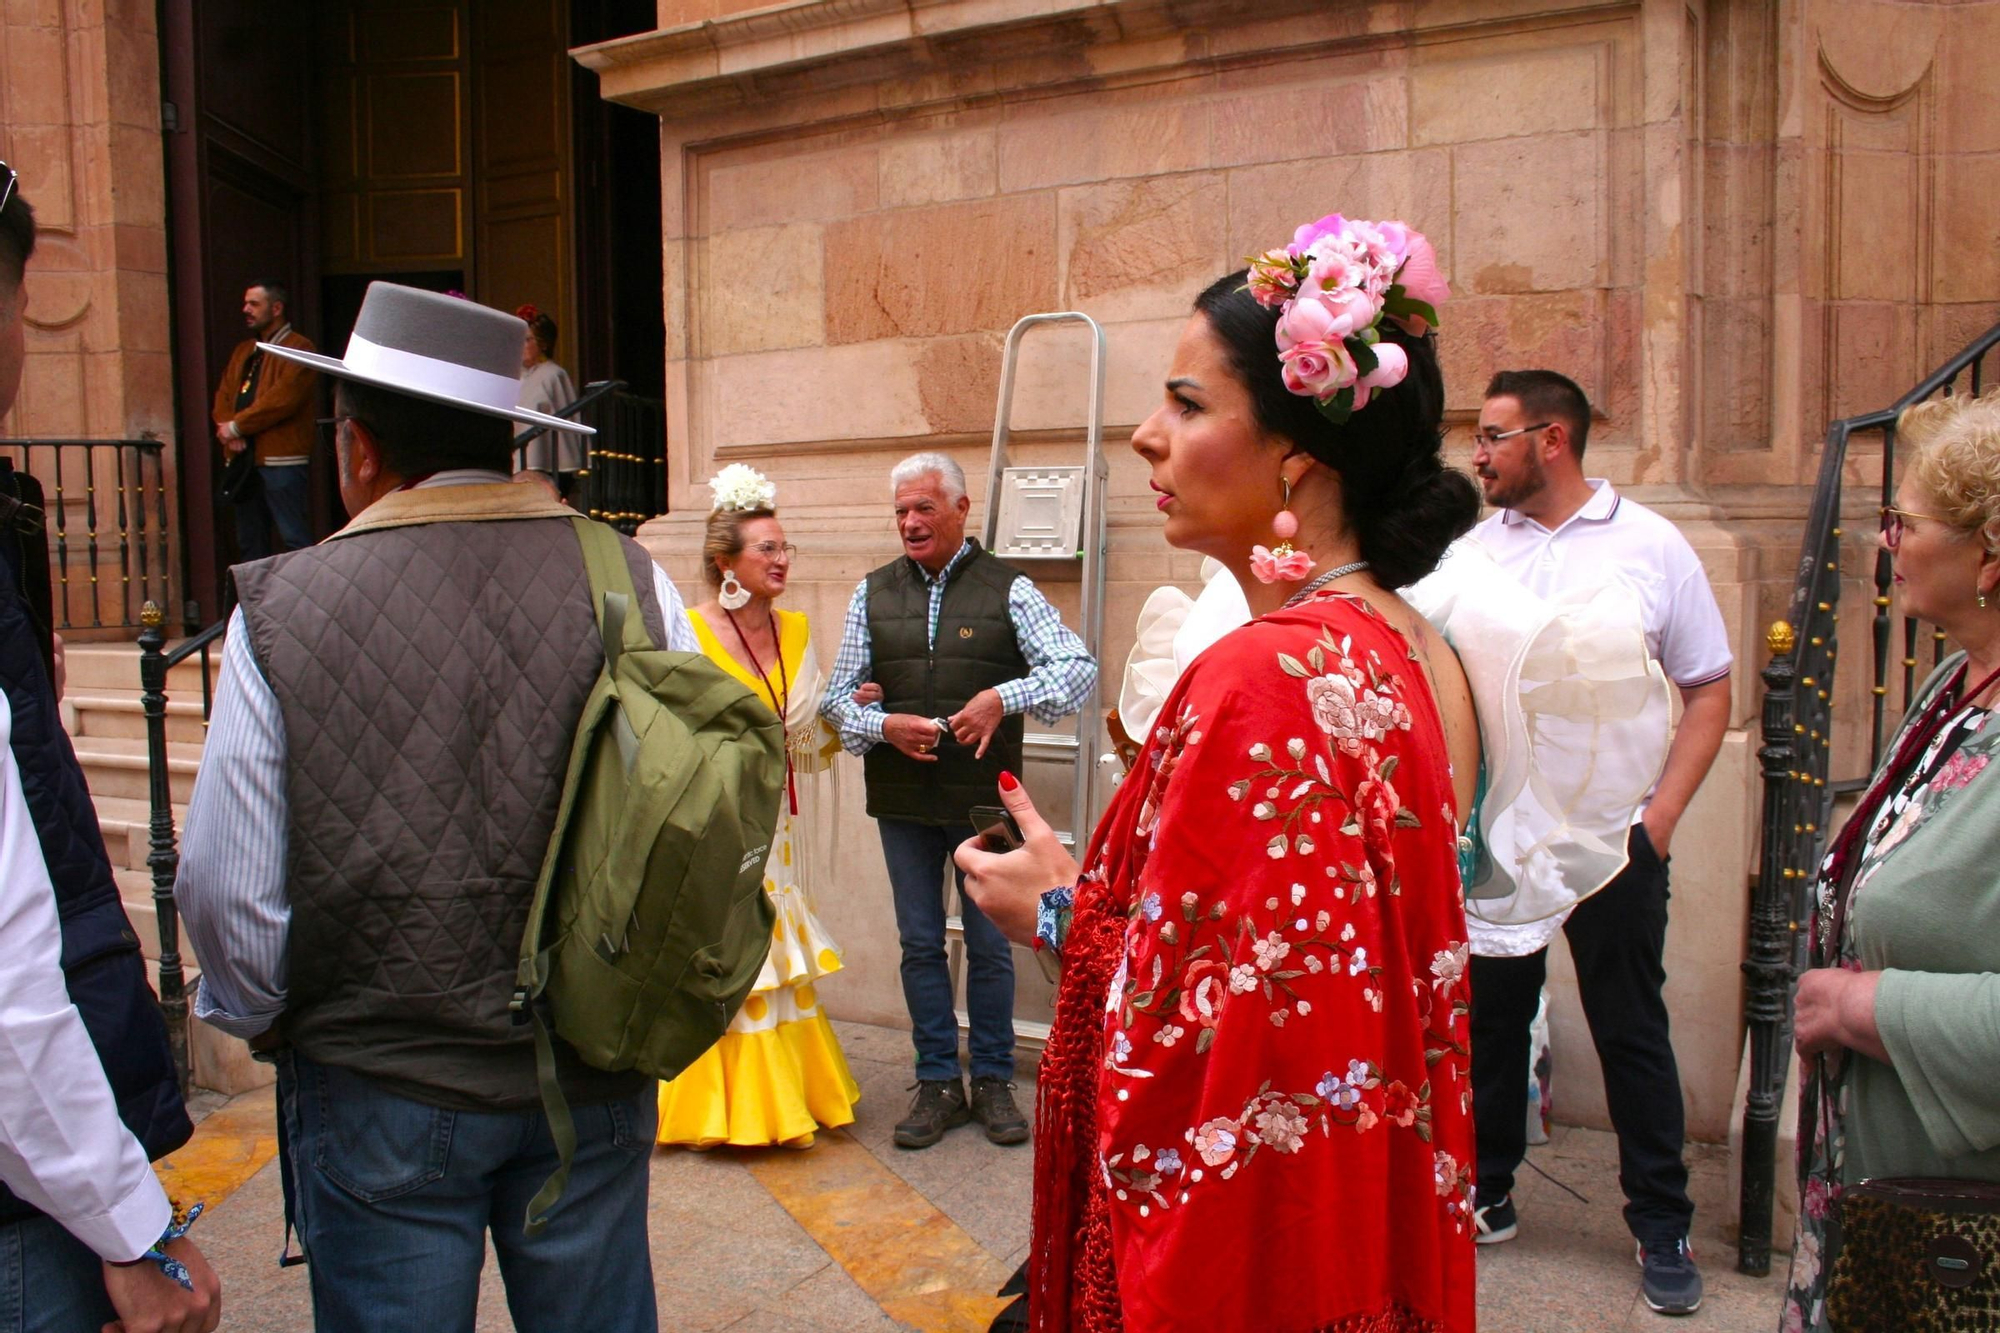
pixel 1255 1106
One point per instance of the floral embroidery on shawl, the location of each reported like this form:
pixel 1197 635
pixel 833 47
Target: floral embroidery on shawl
pixel 1284 1035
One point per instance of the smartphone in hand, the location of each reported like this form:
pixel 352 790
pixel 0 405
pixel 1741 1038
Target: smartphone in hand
pixel 995 827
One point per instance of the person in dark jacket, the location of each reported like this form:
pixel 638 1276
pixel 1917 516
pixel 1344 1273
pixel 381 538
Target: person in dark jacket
pixel 88 1092
pixel 962 645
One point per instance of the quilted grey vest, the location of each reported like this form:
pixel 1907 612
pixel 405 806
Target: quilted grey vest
pixel 431 678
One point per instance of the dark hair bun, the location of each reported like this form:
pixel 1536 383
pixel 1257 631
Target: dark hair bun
pixel 1402 503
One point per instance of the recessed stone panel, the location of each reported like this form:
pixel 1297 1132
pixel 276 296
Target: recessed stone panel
pixel 1506 94
pixel 1142 249
pixel 952 268
pixel 1040 150
pixel 1562 331
pixel 760 289
pixel 833 393
pixel 789 189
pixel 1528 215
pixel 940 169
pixel 1266 204
pixel 1311 120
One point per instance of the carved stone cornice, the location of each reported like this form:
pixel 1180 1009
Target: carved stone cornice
pixel 918 51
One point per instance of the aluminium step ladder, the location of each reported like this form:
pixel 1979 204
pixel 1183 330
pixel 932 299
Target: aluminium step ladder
pixel 1052 519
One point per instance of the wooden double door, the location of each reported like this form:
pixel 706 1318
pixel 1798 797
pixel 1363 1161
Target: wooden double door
pixel 326 144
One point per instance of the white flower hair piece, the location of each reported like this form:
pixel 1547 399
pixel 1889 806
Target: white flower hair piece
pixel 740 486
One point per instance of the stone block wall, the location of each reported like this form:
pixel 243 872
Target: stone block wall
pixel 80 121
pixel 1730 220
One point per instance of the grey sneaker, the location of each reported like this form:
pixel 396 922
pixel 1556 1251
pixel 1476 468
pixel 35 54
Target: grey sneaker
pixel 993 1106
pixel 1495 1222
pixel 938 1105
pixel 1672 1284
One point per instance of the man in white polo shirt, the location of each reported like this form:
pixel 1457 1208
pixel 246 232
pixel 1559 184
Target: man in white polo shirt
pixel 1556 530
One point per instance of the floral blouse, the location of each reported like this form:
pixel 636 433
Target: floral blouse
pixel 1283 1135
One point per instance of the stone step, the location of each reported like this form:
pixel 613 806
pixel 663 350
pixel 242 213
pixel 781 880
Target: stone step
pixel 114 667
pixel 128 829
pixel 110 713
pixel 116 766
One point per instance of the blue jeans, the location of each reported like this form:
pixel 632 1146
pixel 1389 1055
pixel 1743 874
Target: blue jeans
pixel 284 500
pixel 394 1200
pixel 50 1282
pixel 917 854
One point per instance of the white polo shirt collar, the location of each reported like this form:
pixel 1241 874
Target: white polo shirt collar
pixel 1599 508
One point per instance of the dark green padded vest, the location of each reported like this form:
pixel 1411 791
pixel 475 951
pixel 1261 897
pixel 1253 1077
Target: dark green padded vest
pixel 975 649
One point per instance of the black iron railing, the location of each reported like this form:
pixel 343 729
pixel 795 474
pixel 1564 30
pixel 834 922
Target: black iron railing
pixel 1799 787
pixel 624 476
pixel 106 522
pixel 163 857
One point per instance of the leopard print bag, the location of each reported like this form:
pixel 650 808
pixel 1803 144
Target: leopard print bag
pixel 1918 1255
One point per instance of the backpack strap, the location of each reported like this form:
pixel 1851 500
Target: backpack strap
pixel 611 593
pixel 613 599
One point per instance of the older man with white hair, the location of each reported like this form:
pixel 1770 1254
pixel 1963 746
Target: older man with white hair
pixel 962 644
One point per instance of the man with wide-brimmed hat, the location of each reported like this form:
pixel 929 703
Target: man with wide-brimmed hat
pixel 388 747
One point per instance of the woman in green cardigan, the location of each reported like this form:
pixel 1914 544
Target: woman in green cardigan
pixel 1898 1022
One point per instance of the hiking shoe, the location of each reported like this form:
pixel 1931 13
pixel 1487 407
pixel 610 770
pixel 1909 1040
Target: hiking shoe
pixel 1672 1284
pixel 1495 1222
pixel 993 1106
pixel 939 1104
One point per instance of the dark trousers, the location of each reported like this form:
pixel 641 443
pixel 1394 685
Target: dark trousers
pixel 916 855
pixel 1616 939
pixel 283 501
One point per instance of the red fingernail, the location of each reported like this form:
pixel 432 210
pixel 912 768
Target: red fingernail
pixel 1008 782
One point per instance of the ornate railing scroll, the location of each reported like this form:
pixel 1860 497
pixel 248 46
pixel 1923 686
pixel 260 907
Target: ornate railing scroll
pixel 1796 759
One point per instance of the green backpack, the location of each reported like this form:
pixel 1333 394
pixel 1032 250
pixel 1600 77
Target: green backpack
pixel 650 923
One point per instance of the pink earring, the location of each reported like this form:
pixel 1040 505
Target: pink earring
pixel 1281 563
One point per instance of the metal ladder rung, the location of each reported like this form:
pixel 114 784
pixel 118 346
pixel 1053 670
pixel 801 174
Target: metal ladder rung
pixel 1050 745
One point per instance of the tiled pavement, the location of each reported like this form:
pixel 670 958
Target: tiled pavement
pixel 855 1236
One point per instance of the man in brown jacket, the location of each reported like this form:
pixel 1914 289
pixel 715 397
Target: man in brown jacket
pixel 267 404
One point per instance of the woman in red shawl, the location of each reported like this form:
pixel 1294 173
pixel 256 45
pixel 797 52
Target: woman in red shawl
pixel 1254 1112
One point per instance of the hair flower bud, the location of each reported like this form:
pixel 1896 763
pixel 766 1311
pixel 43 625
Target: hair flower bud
pixel 1333 286
pixel 740 486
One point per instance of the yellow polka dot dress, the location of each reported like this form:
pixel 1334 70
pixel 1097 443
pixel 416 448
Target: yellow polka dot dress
pixel 778 1074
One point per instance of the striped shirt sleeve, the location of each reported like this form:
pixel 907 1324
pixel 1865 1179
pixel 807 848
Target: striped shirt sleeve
pixel 231 887
pixel 859 725
pixel 1061 671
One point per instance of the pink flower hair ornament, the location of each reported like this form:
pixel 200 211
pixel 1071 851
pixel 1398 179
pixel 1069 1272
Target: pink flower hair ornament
pixel 1333 286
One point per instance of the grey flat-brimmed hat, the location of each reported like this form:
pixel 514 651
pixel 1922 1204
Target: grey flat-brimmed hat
pixel 437 347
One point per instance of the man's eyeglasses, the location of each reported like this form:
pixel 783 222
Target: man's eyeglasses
pixel 1892 524
pixel 8 178
pixel 770 550
pixel 1489 438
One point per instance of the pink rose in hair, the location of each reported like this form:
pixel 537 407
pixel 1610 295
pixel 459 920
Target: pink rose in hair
pixel 1392 365
pixel 1325 316
pixel 1317 369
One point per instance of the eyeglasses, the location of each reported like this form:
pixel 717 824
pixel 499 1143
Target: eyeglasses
pixel 1493 437
pixel 770 550
pixel 1892 524
pixel 7 189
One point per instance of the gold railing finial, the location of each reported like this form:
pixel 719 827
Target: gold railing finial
pixel 151 616
pixel 1780 639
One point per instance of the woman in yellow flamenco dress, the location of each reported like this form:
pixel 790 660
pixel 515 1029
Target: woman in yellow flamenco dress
pixel 778 1074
